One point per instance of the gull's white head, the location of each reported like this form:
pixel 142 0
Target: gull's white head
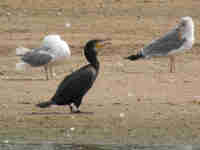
pixel 57 46
pixel 187 28
pixel 65 48
pixel 50 40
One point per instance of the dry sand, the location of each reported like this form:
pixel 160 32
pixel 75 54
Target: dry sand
pixel 132 102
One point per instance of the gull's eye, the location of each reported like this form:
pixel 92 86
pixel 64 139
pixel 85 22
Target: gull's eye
pixel 183 23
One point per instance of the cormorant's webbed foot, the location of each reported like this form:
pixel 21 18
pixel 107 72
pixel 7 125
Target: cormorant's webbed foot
pixel 74 109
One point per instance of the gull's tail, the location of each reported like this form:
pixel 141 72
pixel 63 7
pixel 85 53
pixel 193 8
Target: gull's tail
pixel 21 66
pixel 20 51
pixel 135 57
pixel 45 104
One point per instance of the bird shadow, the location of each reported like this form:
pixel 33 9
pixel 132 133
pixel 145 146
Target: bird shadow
pixel 24 79
pixel 84 113
pixel 58 113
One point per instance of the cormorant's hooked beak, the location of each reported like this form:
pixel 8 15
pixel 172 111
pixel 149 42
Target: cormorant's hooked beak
pixel 103 43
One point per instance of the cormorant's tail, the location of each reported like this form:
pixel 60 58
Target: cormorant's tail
pixel 135 57
pixel 45 104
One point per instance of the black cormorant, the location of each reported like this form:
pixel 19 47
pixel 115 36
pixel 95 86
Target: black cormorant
pixel 73 88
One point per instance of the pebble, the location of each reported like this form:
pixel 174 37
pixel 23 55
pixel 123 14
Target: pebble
pixel 122 115
pixel 72 129
pixel 67 25
pixel 6 141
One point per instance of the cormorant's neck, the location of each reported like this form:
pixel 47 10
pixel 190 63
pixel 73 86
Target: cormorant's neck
pixel 93 61
pixel 91 56
pixel 96 65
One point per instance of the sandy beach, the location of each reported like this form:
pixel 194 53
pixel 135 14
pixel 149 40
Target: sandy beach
pixel 131 102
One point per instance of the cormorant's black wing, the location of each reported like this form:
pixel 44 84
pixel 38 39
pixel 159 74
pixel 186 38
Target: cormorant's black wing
pixel 75 85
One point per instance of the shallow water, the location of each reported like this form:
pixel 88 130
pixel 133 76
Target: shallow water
pixel 55 146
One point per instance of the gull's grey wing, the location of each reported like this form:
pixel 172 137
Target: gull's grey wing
pixel 41 49
pixel 37 58
pixel 161 47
